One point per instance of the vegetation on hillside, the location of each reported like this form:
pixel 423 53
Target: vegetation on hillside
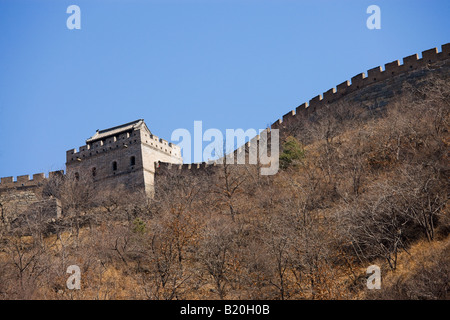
pixel 357 187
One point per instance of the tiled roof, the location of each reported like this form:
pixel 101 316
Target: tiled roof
pixel 102 134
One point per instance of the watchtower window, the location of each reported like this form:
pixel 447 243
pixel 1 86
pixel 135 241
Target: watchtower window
pixel 132 161
pixel 77 176
pixel 114 166
pixel 94 171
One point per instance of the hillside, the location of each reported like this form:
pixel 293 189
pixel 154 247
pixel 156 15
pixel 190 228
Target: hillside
pixel 356 188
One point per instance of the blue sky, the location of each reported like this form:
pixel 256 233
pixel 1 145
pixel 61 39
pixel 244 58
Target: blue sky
pixel 231 64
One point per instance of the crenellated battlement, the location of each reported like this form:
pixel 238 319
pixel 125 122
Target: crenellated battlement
pixel 98 146
pixel 130 154
pixel 25 180
pixel 375 75
pixel 185 166
pixel 122 155
pixel 360 81
pixel 163 145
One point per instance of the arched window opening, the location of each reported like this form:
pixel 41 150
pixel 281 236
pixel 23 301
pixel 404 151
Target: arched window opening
pixel 114 165
pixel 77 176
pixel 94 171
pixel 132 161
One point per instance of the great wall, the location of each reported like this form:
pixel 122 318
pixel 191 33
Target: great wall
pixel 431 60
pixel 374 90
pixel 130 154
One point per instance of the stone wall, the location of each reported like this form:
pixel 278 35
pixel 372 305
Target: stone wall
pixel 371 92
pixel 127 159
pixel 15 201
pixel 132 158
pixel 376 88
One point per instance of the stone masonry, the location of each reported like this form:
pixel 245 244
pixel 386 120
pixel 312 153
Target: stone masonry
pixel 130 154
pixel 125 154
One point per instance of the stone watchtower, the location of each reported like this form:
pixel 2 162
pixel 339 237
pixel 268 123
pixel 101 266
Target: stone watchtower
pixel 124 154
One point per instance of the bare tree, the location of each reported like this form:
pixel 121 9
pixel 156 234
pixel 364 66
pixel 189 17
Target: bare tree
pixel 215 253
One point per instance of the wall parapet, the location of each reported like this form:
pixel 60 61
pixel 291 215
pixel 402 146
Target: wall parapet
pixel 123 140
pixel 100 146
pixel 362 80
pixel 374 75
pixel 25 180
pixel 185 166
pixel 162 145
